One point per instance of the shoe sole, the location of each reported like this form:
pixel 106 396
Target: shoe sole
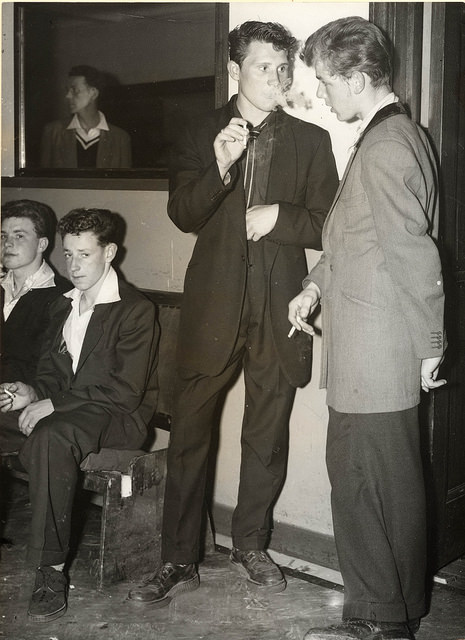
pixel 181 587
pixel 36 617
pixel 269 588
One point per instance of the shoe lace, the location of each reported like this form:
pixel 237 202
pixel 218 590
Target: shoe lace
pixel 255 557
pixel 47 582
pixel 160 574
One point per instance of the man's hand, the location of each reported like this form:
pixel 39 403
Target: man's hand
pixel 230 143
pixel 16 395
pixel 260 220
pixel 429 372
pixel 302 306
pixel 33 413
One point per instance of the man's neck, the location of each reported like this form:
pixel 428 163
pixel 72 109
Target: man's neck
pixel 249 112
pixel 89 297
pixel 88 119
pixel 21 274
pixel 370 99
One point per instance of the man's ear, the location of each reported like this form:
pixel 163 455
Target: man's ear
pixel 234 70
pixel 43 244
pixel 357 81
pixel 110 251
pixel 95 93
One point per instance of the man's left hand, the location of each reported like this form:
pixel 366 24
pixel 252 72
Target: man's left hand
pixel 260 220
pixel 429 372
pixel 33 413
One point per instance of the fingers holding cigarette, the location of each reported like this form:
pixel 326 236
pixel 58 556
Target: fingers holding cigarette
pixel 7 398
pixel 304 326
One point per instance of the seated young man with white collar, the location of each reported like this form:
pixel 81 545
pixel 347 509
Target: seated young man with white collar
pixel 95 387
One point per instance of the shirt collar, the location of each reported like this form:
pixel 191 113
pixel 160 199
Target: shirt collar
pixel 43 278
pixel 102 124
pixel 109 291
pixel 389 99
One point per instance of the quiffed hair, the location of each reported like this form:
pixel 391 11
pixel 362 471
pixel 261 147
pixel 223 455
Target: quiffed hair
pixel 351 44
pixel 41 215
pixel 92 75
pixel 268 32
pixel 101 222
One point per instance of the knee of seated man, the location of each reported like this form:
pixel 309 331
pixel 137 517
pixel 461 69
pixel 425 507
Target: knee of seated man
pixel 54 431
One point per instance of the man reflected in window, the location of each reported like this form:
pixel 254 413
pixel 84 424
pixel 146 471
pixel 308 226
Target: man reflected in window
pixel 88 141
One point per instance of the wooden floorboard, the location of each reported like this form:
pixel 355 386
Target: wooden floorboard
pixel 223 608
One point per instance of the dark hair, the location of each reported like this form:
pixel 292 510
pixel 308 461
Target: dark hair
pixel 41 215
pixel 102 222
pixel 92 76
pixel 351 44
pixel 269 32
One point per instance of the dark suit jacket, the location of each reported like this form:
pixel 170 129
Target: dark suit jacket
pixel 117 367
pixel 22 333
pixel 58 148
pixel 303 180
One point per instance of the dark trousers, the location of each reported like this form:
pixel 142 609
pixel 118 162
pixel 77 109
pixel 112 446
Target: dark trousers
pixel 52 455
pixel 264 441
pixel 378 506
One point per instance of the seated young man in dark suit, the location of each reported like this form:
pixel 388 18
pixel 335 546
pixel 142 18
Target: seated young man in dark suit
pixel 95 387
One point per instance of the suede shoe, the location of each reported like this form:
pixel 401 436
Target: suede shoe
pixel 259 569
pixel 358 629
pixel 170 580
pixel 49 598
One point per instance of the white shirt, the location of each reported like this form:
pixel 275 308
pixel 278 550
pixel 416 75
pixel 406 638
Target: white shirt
pixel 43 278
pixel 93 133
pixel 75 327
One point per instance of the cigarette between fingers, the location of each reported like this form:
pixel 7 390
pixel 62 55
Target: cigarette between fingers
pixel 291 332
pixel 8 393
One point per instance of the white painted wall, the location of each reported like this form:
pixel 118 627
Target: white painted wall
pixel 157 256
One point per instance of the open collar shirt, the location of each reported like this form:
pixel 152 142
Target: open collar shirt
pixel 43 278
pixel 75 327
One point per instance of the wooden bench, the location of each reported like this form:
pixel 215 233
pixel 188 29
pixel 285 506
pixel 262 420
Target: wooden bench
pixel 132 483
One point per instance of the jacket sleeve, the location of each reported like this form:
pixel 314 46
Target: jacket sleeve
pixel 397 190
pixel 196 187
pixel 301 224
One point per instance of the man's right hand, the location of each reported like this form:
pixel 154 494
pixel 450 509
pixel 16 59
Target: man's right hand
pixel 16 395
pixel 230 143
pixel 302 306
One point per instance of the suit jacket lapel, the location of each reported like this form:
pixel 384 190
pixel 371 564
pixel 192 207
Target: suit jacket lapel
pixel 94 332
pixel 386 112
pixel 283 163
pixel 234 203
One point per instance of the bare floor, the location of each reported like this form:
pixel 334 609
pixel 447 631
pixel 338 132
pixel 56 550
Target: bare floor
pixel 223 608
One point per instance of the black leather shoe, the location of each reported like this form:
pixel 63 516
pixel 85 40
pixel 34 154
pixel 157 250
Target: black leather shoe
pixel 49 598
pixel 358 629
pixel 169 581
pixel 259 569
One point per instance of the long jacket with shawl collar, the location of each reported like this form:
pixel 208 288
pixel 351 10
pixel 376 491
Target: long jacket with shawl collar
pixel 380 273
pixel 117 365
pixel 303 180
